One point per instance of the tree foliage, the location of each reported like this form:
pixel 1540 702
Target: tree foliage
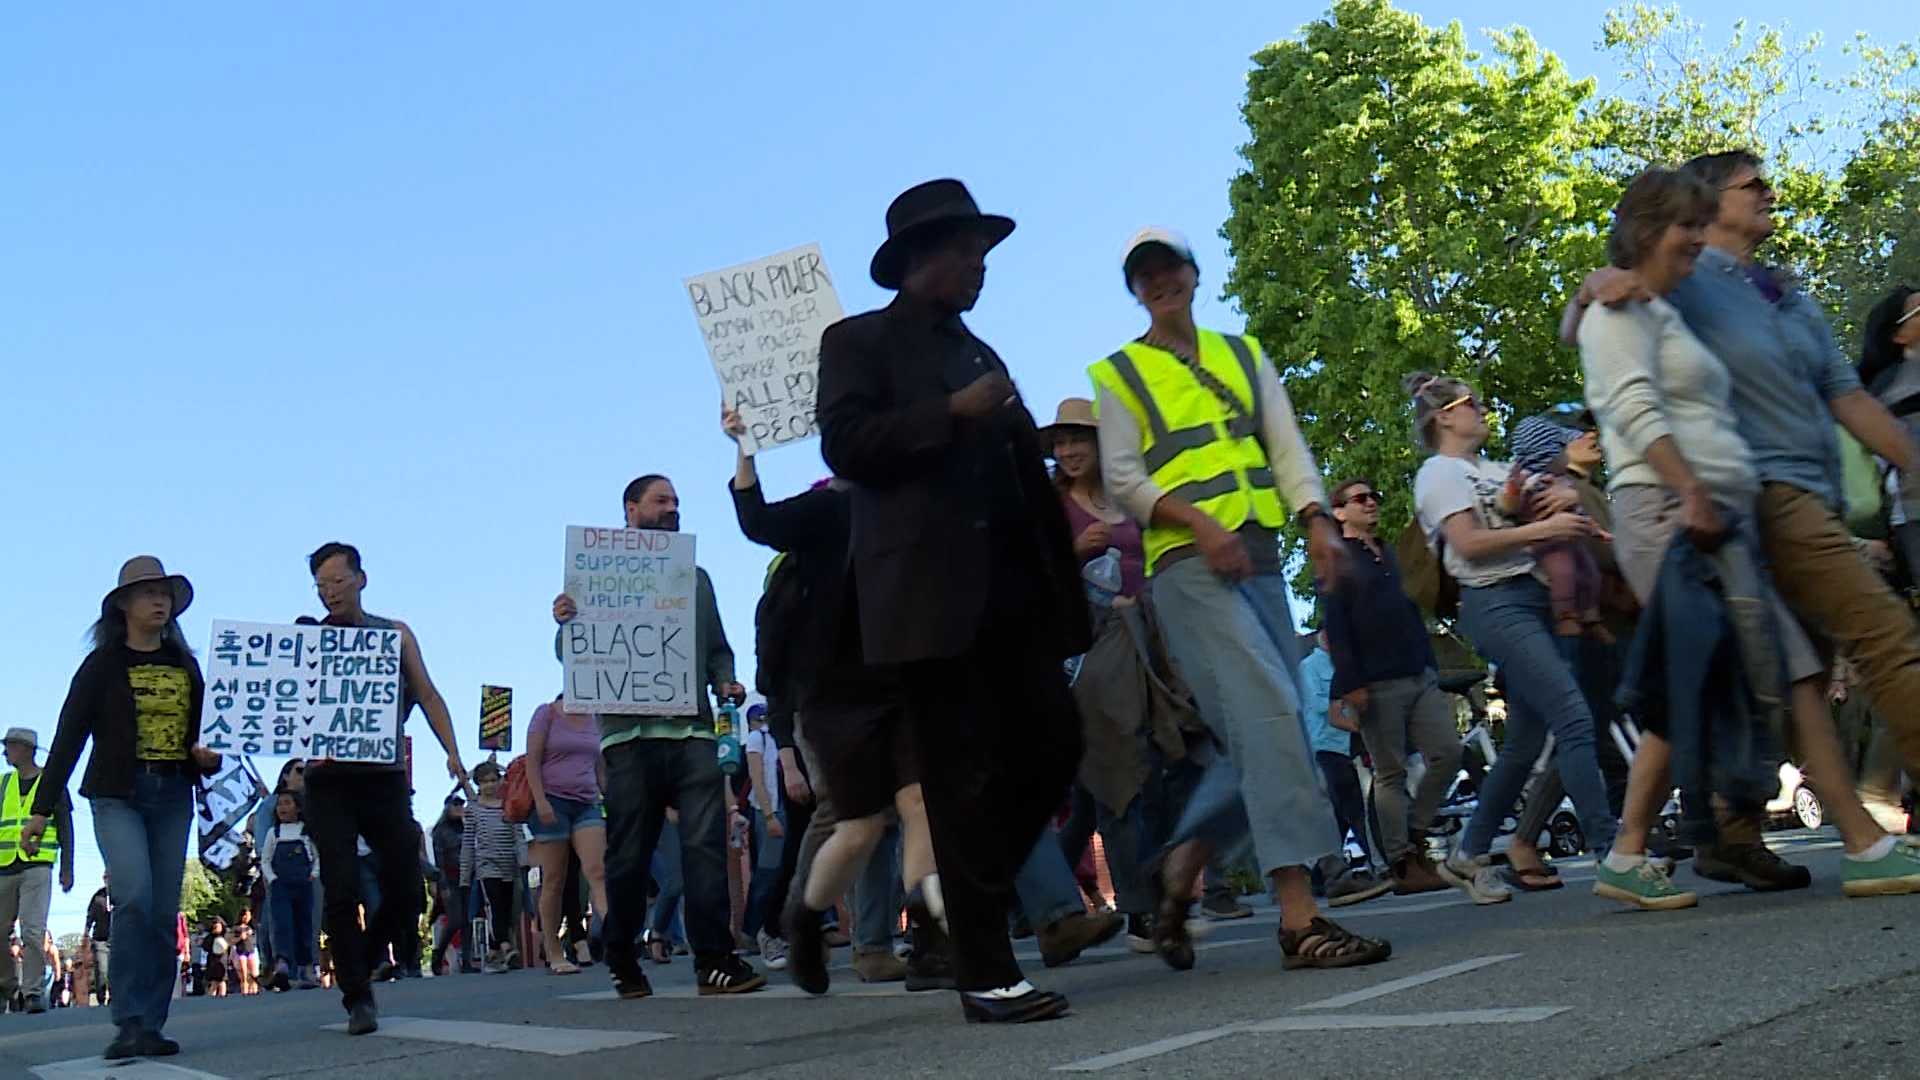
pixel 1411 204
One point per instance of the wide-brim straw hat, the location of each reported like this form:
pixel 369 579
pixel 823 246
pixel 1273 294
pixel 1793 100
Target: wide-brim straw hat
pixel 1074 414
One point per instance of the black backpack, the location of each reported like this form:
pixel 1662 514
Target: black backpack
pixel 778 625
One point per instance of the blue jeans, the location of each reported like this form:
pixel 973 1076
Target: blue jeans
pixel 143 841
pixel 664 919
pixel 291 903
pixel 1511 624
pixel 767 851
pixel 878 896
pixel 1045 884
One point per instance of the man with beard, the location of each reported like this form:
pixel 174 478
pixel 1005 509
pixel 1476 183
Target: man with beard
pixel 657 762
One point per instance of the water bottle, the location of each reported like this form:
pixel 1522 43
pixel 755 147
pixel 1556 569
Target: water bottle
pixel 727 742
pixel 1102 577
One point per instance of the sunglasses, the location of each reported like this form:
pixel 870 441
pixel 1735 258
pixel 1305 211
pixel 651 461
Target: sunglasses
pixel 1464 399
pixel 1911 312
pixel 1758 185
pixel 1371 497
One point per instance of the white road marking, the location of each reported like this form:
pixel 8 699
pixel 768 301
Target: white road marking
pixel 1528 1015
pixel 97 1068
pixel 781 991
pixel 1408 983
pixel 557 1041
pixel 1150 1050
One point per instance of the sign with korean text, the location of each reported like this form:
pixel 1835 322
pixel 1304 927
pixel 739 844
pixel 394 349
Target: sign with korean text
pixel 223 805
pixel 325 692
pixel 496 718
pixel 762 323
pixel 631 647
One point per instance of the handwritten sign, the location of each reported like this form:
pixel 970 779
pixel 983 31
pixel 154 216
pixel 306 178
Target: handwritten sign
pixel 496 718
pixel 762 323
pixel 631 649
pixel 326 692
pixel 225 803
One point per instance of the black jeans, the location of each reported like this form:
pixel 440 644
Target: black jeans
pixel 644 778
pixel 345 802
pixel 1343 787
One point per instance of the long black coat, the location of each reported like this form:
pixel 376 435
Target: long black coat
pixel 921 550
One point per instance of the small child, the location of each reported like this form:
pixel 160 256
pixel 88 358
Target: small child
pixel 290 864
pixel 490 855
pixel 1573 576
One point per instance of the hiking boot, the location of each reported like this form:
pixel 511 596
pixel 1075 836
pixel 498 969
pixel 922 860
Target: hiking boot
pixel 1476 877
pixel 728 975
pixel 1414 873
pixel 154 1044
pixel 1063 940
pixel 1140 934
pixel 1324 943
pixel 1356 887
pixel 1752 865
pixel 363 1018
pixel 1221 906
pixel 806 949
pixel 1645 886
pixel 879 966
pixel 930 964
pixel 1896 873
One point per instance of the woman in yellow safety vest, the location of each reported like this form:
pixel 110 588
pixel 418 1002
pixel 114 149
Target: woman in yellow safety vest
pixel 1198 442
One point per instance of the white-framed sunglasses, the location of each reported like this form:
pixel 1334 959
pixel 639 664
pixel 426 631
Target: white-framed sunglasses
pixel 1911 312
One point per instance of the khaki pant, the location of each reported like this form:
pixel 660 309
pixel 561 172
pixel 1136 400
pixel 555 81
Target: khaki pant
pixel 1843 599
pixel 25 896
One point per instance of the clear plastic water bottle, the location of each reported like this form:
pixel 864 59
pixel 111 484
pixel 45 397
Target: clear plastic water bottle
pixel 727 743
pixel 1102 577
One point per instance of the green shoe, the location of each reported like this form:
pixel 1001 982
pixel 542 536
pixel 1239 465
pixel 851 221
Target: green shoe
pixel 1895 874
pixel 1644 886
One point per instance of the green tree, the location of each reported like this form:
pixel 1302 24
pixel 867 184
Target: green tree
pixel 204 894
pixel 1407 206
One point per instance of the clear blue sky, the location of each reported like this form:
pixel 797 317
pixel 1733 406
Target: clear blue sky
pixel 408 275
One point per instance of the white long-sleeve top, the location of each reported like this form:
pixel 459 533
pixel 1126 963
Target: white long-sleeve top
pixel 1123 465
pixel 288 832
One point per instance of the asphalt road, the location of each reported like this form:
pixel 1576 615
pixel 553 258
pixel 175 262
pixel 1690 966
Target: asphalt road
pixel 1561 984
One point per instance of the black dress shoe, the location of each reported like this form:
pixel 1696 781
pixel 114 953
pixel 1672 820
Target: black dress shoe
pixel 363 1019
pixel 125 1045
pixel 154 1044
pixel 1025 1009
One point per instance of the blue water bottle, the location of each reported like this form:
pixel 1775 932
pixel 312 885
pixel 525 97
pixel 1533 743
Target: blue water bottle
pixel 728 743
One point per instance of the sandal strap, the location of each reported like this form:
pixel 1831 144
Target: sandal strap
pixel 1325 939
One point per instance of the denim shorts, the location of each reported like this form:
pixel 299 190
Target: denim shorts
pixel 569 816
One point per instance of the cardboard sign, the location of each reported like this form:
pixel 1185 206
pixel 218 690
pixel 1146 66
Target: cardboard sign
pixel 496 718
pixel 225 803
pixel 326 692
pixel 631 648
pixel 762 323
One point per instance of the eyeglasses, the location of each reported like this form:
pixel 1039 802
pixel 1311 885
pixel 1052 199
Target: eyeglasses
pixel 1911 312
pixel 1464 399
pixel 1370 497
pixel 1758 185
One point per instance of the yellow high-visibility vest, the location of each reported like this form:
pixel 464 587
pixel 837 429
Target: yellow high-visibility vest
pixel 1195 447
pixel 16 805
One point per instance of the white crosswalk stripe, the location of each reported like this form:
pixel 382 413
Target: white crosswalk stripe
pixel 527 1038
pixel 98 1068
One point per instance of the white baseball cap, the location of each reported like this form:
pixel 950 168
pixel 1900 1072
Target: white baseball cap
pixel 1170 239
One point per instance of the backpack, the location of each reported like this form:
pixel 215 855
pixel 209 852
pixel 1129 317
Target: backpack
pixel 778 625
pixel 516 798
pixel 1423 575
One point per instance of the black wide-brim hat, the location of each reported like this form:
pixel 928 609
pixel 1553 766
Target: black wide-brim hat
pixel 927 210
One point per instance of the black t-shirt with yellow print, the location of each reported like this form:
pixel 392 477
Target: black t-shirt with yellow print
pixel 162 689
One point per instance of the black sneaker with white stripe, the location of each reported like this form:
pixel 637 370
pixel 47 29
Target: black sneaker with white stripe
pixel 730 975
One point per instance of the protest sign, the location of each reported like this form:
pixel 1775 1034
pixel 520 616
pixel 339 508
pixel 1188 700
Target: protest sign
pixel 496 718
pixel 762 323
pixel 631 649
pixel 326 692
pixel 224 804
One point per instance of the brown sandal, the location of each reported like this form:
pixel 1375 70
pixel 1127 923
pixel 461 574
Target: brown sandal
pixel 1326 944
pixel 1170 937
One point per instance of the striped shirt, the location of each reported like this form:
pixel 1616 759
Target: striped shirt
pixel 490 845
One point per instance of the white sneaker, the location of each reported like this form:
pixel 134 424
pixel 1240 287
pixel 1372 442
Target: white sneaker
pixel 1476 877
pixel 773 950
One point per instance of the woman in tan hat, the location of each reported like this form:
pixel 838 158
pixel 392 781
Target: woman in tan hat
pixel 1097 522
pixel 137 697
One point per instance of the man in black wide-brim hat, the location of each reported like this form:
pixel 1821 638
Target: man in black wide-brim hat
pixel 964 574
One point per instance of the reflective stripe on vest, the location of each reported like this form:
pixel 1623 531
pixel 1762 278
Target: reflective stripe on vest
pixel 16 805
pixel 1193 446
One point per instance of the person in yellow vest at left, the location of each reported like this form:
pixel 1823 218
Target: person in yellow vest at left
pixel 1198 442
pixel 26 881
